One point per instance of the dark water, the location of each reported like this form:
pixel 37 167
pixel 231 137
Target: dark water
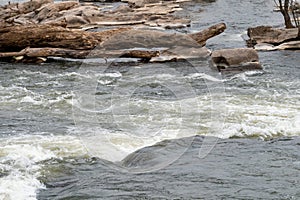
pixel 97 130
pixel 234 169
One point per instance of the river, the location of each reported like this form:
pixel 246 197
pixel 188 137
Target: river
pixel 117 129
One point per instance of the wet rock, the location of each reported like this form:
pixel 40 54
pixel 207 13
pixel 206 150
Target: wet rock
pixel 182 53
pixel 269 35
pixel 292 45
pixel 235 59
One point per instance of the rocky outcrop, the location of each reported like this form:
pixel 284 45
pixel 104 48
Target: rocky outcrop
pixel 39 29
pixel 240 59
pixel 73 14
pixel 268 38
pixel 48 40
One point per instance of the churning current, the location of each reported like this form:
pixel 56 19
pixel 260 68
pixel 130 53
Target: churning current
pixel 179 130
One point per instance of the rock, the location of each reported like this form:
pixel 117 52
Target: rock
pixel 136 38
pixel 235 59
pixel 53 10
pixel 87 15
pixel 266 38
pixel 48 40
pixel 267 34
pixel 75 21
pixel 140 3
pixel 49 30
pixel 11 10
pixel 264 47
pixel 181 53
pixel 122 9
pixel 292 45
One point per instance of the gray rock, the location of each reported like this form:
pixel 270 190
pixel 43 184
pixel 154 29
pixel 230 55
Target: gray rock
pixel 267 34
pixel 239 59
pixel 292 45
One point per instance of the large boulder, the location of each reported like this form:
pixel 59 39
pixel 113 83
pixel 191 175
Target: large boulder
pixel 239 59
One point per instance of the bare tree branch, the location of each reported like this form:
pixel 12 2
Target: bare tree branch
pixel 284 9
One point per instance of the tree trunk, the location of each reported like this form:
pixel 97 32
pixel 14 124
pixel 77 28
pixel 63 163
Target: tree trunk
pixel 68 53
pixel 284 9
pixel 287 19
pixel 16 38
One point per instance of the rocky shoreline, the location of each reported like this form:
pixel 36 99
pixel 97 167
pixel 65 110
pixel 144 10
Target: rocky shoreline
pixel 35 30
pixel 75 15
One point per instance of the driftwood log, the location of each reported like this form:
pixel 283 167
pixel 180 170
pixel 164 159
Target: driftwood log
pixel 47 40
pixel 16 38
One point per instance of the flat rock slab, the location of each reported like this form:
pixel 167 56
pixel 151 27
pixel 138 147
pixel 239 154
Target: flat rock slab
pixel 292 45
pixel 269 35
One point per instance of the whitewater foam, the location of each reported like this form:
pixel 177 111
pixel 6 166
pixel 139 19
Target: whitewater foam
pixel 20 162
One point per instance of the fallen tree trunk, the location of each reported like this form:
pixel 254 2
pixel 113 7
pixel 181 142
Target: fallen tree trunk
pixel 48 40
pixel 80 54
pixel 16 38
pixel 46 52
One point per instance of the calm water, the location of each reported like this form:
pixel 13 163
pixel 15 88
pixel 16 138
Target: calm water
pixel 97 130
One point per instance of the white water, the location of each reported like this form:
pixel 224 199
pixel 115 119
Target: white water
pixel 245 116
pixel 20 156
pixel 261 112
pixel 20 162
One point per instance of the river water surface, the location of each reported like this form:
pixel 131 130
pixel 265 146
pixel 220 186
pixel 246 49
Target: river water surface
pixel 179 130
